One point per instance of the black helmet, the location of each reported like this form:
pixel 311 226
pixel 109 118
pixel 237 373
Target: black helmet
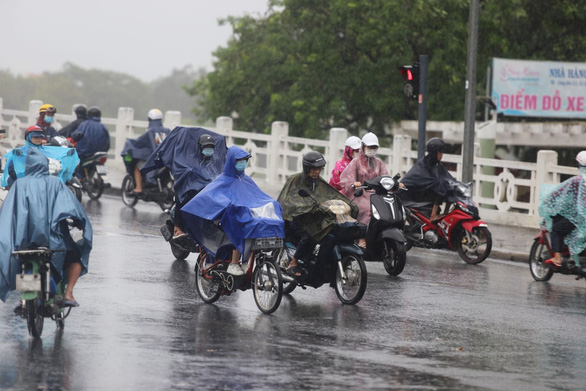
pixel 81 110
pixel 94 111
pixel 435 145
pixel 206 140
pixel 313 160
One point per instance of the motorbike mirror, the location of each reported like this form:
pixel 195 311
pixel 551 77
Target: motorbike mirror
pixel 358 193
pixel 304 193
pixel 397 176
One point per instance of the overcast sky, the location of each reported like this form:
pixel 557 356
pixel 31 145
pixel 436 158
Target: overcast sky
pixel 144 38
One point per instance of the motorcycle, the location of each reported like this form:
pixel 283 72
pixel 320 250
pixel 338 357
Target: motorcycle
pixel 343 268
pixel 40 296
pixel 264 277
pixel 541 251
pixel 93 174
pixel 460 229
pixel 385 239
pixel 160 192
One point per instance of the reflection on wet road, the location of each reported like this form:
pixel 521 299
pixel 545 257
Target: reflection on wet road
pixel 441 325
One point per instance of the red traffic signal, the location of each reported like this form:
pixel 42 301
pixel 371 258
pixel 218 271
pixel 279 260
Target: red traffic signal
pixel 411 74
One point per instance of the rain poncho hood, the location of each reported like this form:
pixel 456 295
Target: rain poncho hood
pixel 359 170
pixel 95 138
pixel 180 152
pixel 33 215
pixel 241 208
pixel 568 199
pixel 317 220
pixel 428 175
pixel 16 158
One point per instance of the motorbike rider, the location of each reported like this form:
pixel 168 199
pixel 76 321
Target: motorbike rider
pixel 91 136
pixel 46 116
pixel 307 223
pixel 564 211
pixel 81 114
pixel 428 180
pixel 230 210
pixel 365 166
pixel 35 214
pixel 137 151
pixel 351 150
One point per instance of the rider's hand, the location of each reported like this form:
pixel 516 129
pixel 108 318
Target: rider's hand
pixel 401 185
pixel 357 184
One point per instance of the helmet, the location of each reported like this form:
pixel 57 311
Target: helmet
pixel 155 114
pixel 32 129
pixel 353 142
pixel 435 145
pixel 80 110
pixel 94 111
pixel 206 140
pixel 47 108
pixel 370 139
pixel 581 158
pixel 313 160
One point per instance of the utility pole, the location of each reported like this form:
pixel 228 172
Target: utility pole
pixel 470 104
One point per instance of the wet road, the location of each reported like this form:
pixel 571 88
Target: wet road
pixel 441 325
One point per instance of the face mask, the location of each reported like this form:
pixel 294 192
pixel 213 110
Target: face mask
pixel 48 119
pixel 370 152
pixel 208 152
pixel 241 165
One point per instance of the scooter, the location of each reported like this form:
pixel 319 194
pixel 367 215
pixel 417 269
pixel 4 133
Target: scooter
pixel 541 251
pixel 385 239
pixel 93 175
pixel 160 192
pixel 460 229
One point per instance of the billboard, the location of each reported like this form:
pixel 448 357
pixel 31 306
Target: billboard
pixel 539 88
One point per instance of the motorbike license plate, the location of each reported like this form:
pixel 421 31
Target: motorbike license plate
pixel 101 169
pixel 28 282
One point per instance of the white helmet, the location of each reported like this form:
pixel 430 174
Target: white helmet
pixel 155 114
pixel 353 142
pixel 581 158
pixel 370 139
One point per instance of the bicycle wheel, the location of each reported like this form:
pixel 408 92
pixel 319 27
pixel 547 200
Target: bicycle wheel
pixel 267 283
pixel 350 287
pixel 208 289
pixel 34 316
pixel 126 190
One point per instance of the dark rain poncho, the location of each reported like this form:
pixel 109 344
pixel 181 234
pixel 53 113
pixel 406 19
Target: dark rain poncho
pixel 243 210
pixel 316 220
pixel 427 181
pixel 94 138
pixel 32 216
pixel 181 154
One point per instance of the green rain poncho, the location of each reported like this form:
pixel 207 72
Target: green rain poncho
pixel 317 220
pixel 569 200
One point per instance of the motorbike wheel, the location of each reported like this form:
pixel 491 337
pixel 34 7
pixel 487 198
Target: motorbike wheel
pixel 351 288
pixel 539 253
pixel 168 203
pixel 178 252
pixel 94 185
pixel 34 317
pixel 394 256
pixel 76 191
pixel 267 284
pixel 127 187
pixel 475 247
pixel 289 283
pixel 209 290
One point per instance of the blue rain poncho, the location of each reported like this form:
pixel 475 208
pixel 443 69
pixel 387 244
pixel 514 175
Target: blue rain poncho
pixel 568 199
pixel 181 154
pixel 67 157
pixel 33 215
pixel 142 148
pixel 232 210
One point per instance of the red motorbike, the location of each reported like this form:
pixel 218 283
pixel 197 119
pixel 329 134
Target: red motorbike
pixel 541 251
pixel 460 229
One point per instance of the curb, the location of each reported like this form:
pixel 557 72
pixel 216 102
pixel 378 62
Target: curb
pixel 509 255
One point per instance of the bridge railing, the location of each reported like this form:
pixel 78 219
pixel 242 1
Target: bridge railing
pixel 507 191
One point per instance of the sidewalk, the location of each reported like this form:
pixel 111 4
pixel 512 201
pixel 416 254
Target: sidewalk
pixel 508 243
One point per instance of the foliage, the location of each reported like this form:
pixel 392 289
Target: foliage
pixel 319 64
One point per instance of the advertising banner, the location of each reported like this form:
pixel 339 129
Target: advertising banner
pixel 539 88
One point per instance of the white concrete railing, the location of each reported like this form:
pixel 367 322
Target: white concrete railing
pixel 513 201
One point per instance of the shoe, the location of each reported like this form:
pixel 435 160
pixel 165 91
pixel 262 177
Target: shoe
pixel 71 303
pixel 180 236
pixel 551 261
pixel 293 271
pixel 244 267
pixel 235 269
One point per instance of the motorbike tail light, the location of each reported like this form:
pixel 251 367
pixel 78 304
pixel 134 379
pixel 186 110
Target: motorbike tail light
pixel 102 160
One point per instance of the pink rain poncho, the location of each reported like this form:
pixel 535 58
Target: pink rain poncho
pixel 359 170
pixel 340 167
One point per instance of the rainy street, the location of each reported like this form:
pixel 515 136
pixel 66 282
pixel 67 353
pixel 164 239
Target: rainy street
pixel 440 325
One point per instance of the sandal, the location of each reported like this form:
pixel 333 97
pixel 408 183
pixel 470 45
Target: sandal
pixel 551 261
pixel 293 271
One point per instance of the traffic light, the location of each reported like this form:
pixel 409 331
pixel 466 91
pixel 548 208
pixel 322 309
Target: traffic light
pixel 411 74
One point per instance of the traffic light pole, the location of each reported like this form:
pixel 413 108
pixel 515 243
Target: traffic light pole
pixel 422 108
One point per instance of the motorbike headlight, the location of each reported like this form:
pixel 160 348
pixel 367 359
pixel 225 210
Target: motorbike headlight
pixel 375 213
pixel 387 183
